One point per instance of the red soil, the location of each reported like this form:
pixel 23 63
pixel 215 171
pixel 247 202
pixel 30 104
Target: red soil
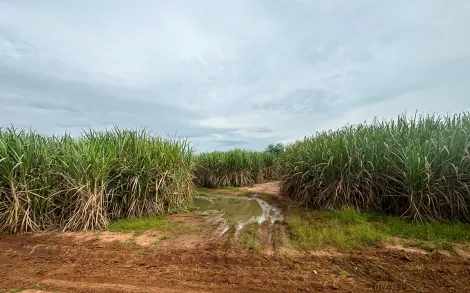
pixel 198 262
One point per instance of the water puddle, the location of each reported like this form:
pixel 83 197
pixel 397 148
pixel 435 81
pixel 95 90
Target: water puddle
pixel 237 211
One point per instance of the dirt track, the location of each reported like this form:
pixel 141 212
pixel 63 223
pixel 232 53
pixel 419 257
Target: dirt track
pixel 58 264
pixel 81 262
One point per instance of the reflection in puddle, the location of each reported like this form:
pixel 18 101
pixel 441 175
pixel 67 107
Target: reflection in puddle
pixel 237 211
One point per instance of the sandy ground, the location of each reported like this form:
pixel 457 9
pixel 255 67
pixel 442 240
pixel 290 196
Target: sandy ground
pixel 269 188
pixel 200 261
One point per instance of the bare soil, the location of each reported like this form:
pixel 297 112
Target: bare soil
pixel 269 188
pixel 200 261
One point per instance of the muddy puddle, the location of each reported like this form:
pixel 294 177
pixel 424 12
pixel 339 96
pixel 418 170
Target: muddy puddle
pixel 237 211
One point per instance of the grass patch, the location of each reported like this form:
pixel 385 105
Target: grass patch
pixel 143 224
pixel 204 191
pixel 345 229
pixel 427 235
pixel 249 237
pixel 335 269
pixel 349 229
pixel 435 232
pixel 230 190
pixel 15 290
pixel 243 193
pixel 131 240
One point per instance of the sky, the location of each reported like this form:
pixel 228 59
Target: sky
pixel 227 74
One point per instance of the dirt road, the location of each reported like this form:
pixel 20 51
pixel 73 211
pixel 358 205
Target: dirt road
pixel 62 264
pixel 90 262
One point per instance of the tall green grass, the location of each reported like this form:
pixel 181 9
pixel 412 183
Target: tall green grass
pixel 234 168
pixel 83 183
pixel 418 168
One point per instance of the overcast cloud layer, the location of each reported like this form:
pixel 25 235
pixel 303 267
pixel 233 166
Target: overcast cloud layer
pixel 229 74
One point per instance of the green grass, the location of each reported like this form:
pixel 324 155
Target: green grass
pixel 229 190
pixel 417 168
pixel 441 235
pixel 337 270
pixel 343 229
pixel 249 237
pixel 15 290
pixel 131 240
pixel 204 191
pixel 350 229
pixel 143 224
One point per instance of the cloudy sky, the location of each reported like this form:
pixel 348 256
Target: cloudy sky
pixel 225 74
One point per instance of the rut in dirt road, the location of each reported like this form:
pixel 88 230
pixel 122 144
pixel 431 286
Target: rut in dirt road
pixel 57 264
pixel 203 260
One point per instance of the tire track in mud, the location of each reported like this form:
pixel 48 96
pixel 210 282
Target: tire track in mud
pixel 91 269
pixel 152 258
pixel 116 287
pixel 59 265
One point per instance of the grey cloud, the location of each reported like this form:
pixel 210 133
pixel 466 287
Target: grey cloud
pixel 84 104
pixel 263 130
pixel 200 132
pixel 441 73
pixel 312 51
pixel 231 143
pixel 348 73
pixel 222 144
pixel 83 96
pixel 301 101
pixel 283 70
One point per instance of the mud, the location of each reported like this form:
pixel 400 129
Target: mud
pixel 237 211
pixel 201 260
pixel 57 263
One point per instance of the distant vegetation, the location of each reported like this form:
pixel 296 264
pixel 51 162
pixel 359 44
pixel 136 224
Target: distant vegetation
pixel 275 149
pixel 83 183
pixel 234 168
pixel 418 168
